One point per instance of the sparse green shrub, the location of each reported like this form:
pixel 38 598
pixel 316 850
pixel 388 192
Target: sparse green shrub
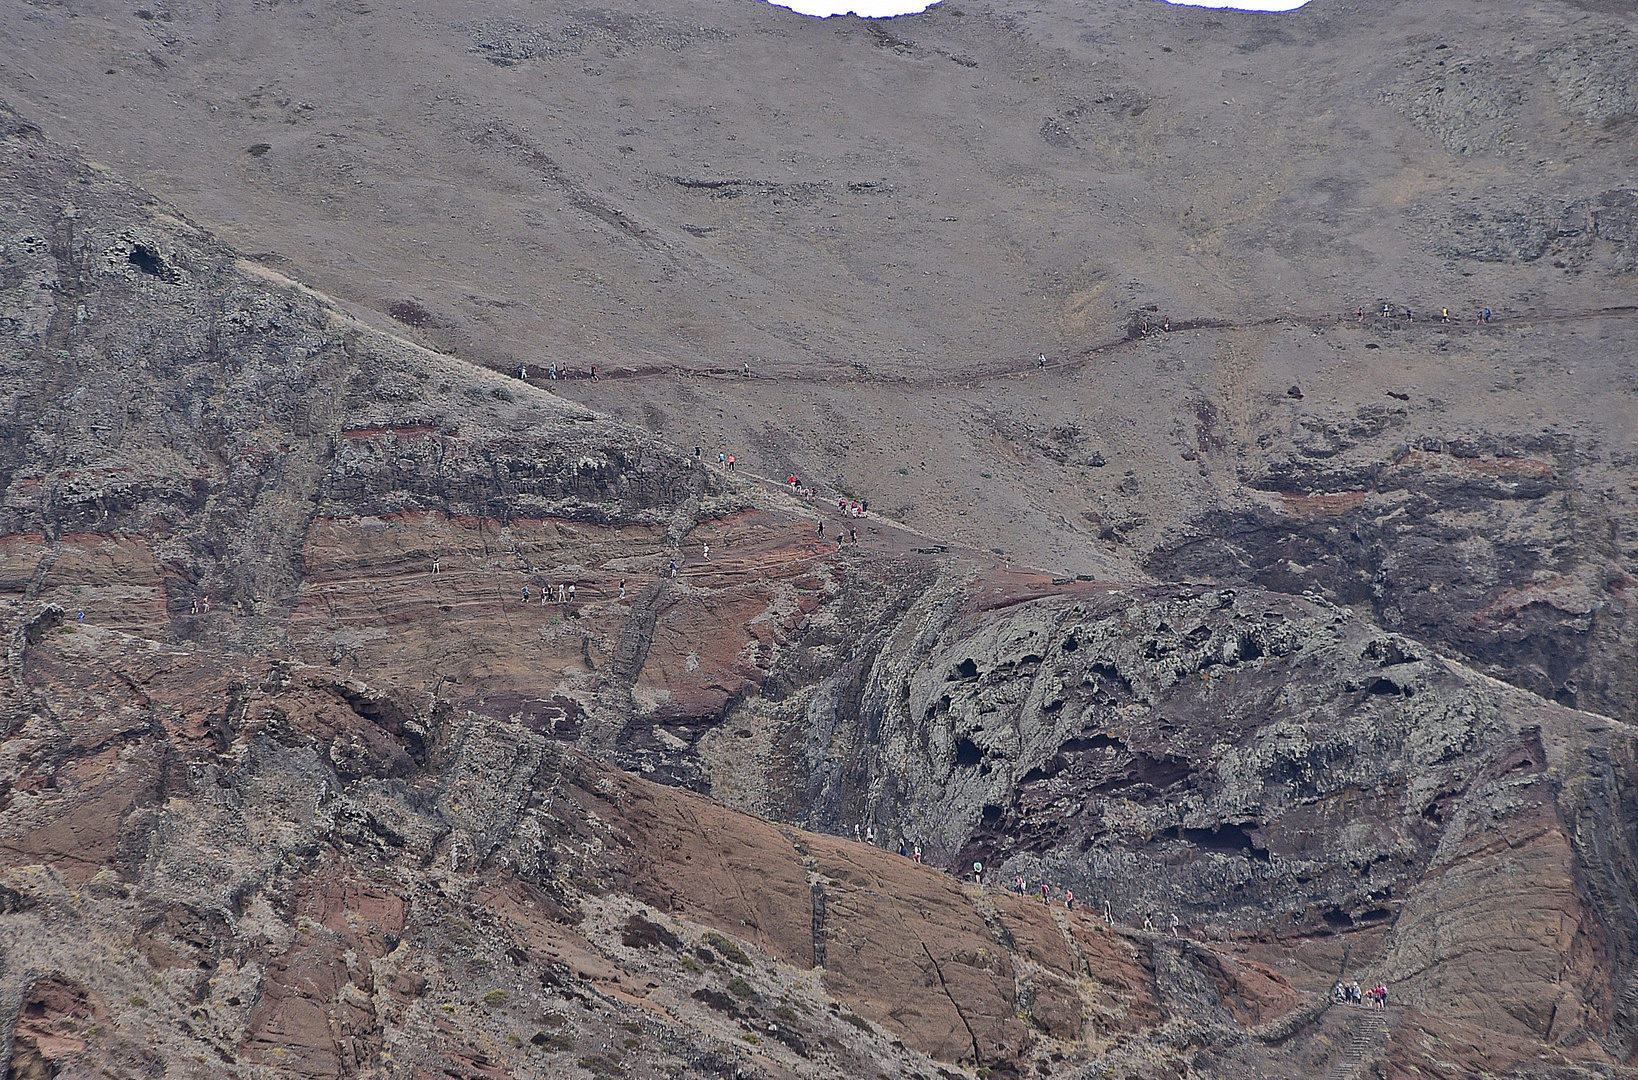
pixel 603 1068
pixel 690 964
pixel 858 1021
pixel 495 998
pixel 731 952
pixel 740 989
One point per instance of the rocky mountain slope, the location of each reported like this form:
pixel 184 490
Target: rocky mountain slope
pixel 1311 633
pixel 889 221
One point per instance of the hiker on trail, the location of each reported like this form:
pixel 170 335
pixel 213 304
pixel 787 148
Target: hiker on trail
pixel 545 595
pixel 551 372
pixel 1486 314
pixel 1381 995
pixel 673 567
pixel 1407 314
pixel 571 594
pixel 707 548
pixel 747 368
pixel 1069 899
pixel 1019 885
pixel 1042 361
pixel 902 849
pixel 1168 325
pixel 870 834
pixel 793 481
pixel 918 853
pixel 821 528
pixel 562 593
pixel 1044 899
pixel 434 567
pixel 1386 311
pixel 1174 924
pixel 1444 314
pixel 722 459
pixel 1148 924
pixel 731 462
pixel 854 533
pixel 526 594
pixel 1361 313
pixel 523 372
pixel 1353 992
pixel 594 373
pixel 622 588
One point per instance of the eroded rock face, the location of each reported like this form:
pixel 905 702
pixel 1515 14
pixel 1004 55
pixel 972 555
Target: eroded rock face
pixel 299 780
pixel 1264 765
pixel 1514 553
pixel 286 913
pixel 207 411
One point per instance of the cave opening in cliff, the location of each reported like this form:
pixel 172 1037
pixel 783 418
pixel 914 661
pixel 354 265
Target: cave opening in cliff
pixel 146 260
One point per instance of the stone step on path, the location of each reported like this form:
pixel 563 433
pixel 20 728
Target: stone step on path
pixel 1369 1030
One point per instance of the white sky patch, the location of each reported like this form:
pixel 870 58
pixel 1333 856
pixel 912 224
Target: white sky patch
pixel 887 9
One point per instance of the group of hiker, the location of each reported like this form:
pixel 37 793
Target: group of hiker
pixel 866 834
pixel 555 372
pixel 1046 892
pixel 1389 312
pixel 1350 994
pixel 562 592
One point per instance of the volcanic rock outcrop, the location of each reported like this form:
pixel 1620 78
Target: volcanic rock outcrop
pixel 369 712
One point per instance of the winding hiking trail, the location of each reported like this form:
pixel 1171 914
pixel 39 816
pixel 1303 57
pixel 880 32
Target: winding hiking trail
pixel 1135 334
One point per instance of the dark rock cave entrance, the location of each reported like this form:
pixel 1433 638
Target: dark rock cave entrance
pixel 146 260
